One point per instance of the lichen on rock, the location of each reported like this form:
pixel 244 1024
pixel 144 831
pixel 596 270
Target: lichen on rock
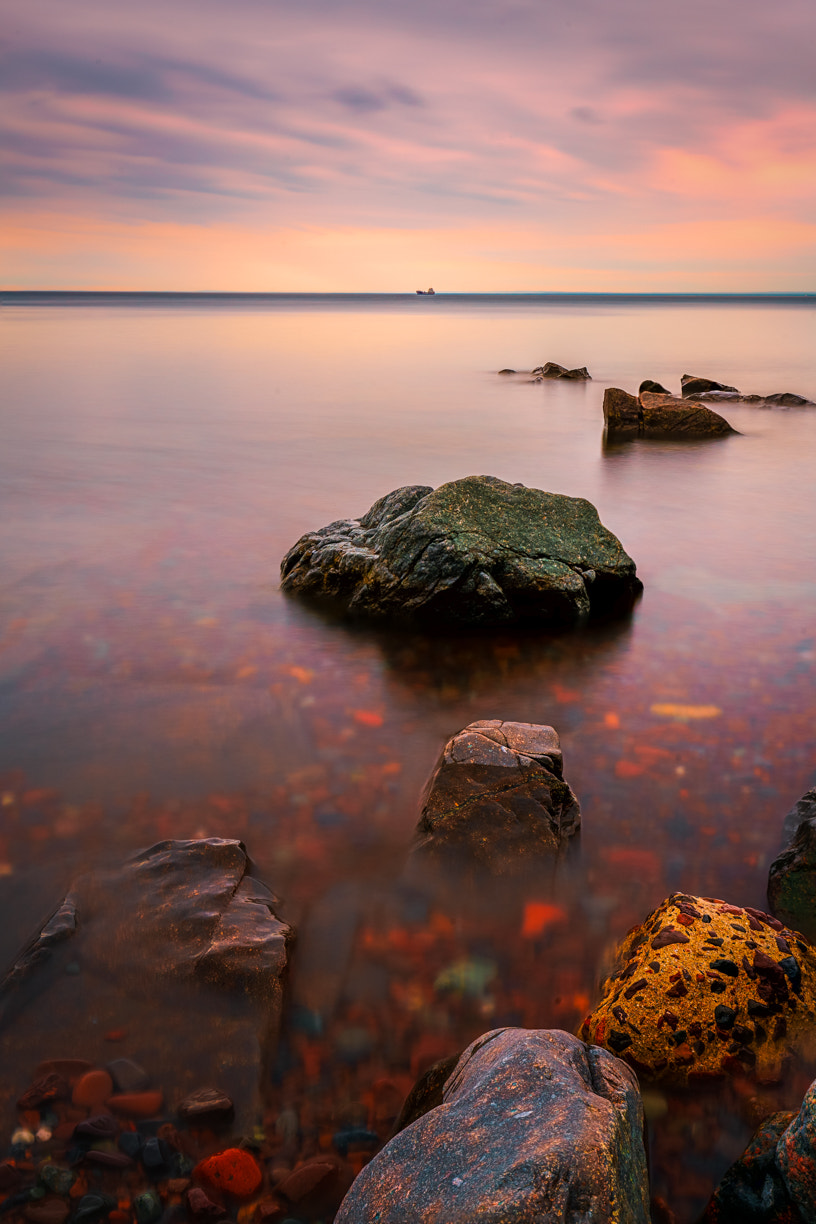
pixel 476 551
pixel 704 990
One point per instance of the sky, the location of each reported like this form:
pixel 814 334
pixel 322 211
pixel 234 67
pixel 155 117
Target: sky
pixel 390 145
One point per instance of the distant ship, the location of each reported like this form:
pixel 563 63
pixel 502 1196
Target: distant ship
pixel 426 292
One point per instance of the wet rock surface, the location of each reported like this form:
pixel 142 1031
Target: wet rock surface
pixel 657 414
pixel 666 414
pixel 704 990
pixel 691 386
pixel 753 1190
pixel 533 1125
pixel 792 874
pixel 477 551
pixel 201 938
pixel 709 390
pixel 796 1157
pixel 498 797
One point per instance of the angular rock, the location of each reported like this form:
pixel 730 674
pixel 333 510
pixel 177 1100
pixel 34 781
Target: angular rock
pixel 753 1190
pixel 667 415
pixel 659 415
pixel 477 551
pixel 534 1125
pixel 792 874
pixel 498 797
pixel 552 370
pixel 704 990
pixel 183 931
pixel 622 411
pixel 691 386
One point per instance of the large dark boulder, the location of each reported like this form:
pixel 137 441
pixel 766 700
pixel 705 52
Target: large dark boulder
pixel 180 949
pixel 476 551
pixel 553 370
pixel 658 415
pixel 533 1125
pixel 498 797
pixel 792 874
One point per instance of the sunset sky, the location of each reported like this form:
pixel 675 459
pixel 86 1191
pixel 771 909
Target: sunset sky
pixel 386 145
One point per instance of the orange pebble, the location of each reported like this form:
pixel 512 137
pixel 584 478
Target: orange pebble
pixel 80 1187
pixel 92 1089
pixel 137 1104
pixel 233 1170
pixel 116 1035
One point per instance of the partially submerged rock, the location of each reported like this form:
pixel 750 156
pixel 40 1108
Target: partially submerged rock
pixel 703 990
pixel 753 1189
pixel 182 930
pixel 657 388
pixel 476 551
pixel 691 386
pixel 533 1125
pixel 553 370
pixel 792 874
pixel 708 390
pixel 498 797
pixel 796 1156
pixel 658 415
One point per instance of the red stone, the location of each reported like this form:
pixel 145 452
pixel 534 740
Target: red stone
pixel 234 1171
pixel 92 1089
pixel 137 1104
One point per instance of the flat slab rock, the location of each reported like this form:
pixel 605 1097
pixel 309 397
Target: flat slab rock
pixel 709 390
pixel 477 551
pixel 497 796
pixel 533 1125
pixel 657 415
pixel 792 874
pixel 181 931
pixel 704 990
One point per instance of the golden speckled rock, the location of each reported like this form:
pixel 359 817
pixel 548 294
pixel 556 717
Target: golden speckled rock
pixel 702 990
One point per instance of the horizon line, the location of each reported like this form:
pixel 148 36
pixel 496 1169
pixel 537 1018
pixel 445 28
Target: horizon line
pixel 408 293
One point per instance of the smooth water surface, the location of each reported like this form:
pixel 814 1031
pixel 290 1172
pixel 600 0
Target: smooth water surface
pixel 161 455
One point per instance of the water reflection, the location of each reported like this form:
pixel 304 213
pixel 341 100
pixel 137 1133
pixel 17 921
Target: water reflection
pixel 154 683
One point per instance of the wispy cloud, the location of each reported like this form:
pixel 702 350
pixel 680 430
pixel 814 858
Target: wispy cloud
pixel 578 118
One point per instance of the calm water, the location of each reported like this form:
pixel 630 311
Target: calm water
pixel 160 456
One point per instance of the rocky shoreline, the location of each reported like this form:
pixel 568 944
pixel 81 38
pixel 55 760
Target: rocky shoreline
pixel 523 1121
